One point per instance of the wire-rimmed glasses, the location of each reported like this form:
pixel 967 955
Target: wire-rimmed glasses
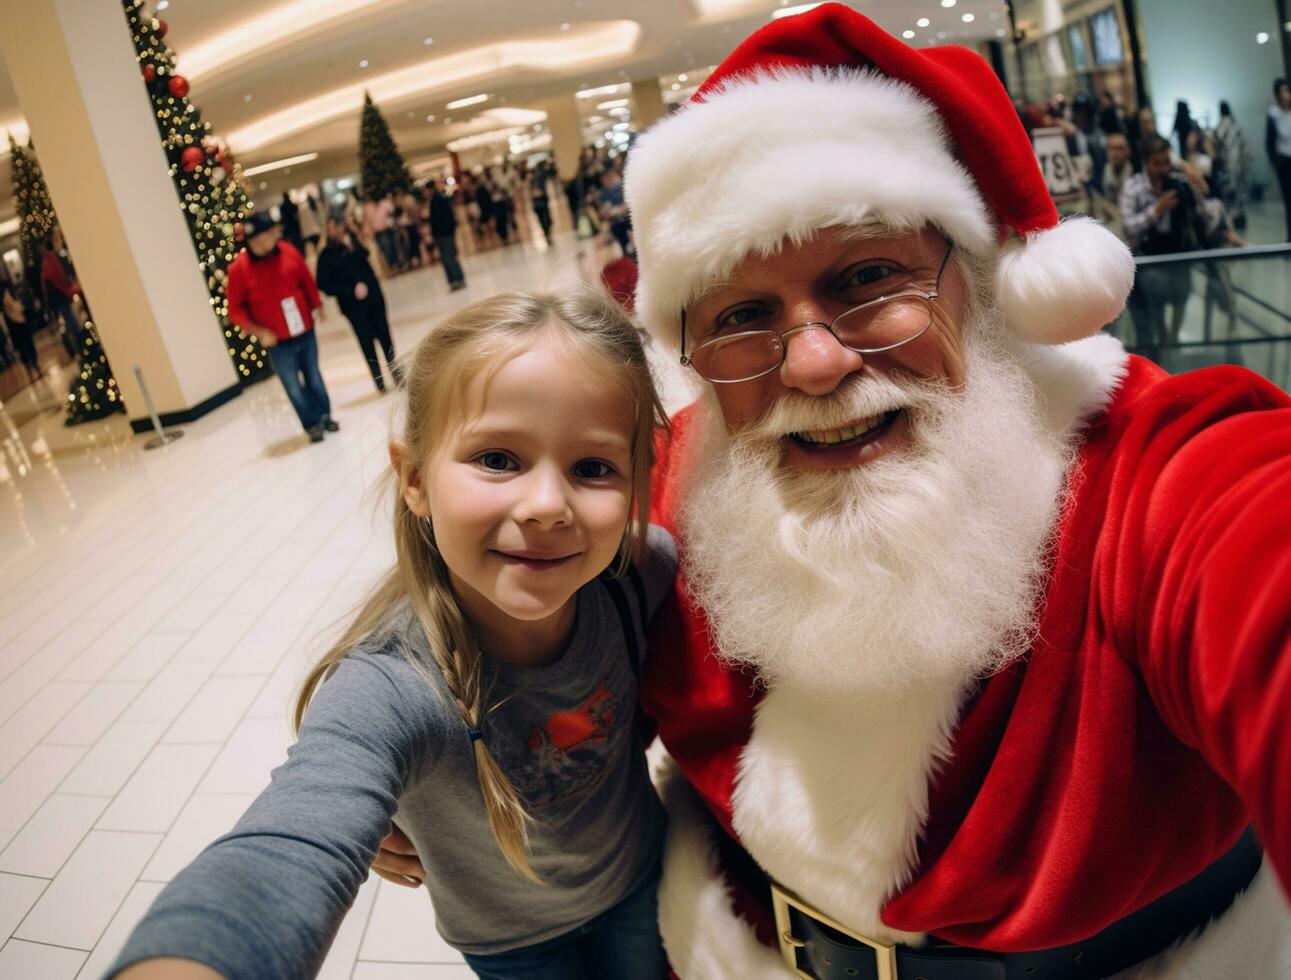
pixel 878 325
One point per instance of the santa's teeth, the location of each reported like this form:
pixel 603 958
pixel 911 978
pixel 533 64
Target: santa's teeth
pixel 830 437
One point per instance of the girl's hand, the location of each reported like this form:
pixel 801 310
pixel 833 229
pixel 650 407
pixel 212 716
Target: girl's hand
pixel 397 861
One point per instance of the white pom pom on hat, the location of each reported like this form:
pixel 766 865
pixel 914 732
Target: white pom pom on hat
pixel 823 119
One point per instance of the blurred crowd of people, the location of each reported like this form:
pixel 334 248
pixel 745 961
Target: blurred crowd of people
pixel 43 299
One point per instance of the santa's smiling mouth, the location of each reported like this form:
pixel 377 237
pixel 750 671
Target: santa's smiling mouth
pixel 855 434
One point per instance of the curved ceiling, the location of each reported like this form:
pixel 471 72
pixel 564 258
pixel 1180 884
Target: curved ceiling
pixel 279 78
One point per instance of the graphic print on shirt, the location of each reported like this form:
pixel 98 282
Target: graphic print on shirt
pixel 570 751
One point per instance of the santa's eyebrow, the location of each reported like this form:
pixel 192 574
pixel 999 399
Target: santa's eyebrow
pixel 708 293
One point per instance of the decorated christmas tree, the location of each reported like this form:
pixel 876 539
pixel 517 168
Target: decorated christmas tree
pixel 381 168
pixel 32 203
pixel 209 185
pixel 93 393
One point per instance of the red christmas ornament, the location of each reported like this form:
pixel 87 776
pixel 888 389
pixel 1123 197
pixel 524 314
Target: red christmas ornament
pixel 162 27
pixel 149 73
pixel 177 86
pixel 192 158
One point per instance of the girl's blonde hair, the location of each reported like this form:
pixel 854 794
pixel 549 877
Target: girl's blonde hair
pixel 436 378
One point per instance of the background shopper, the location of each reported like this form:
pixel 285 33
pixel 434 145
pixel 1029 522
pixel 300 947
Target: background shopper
pixel 344 272
pixel 273 297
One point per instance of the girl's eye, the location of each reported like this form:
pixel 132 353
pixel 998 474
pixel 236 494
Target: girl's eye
pixel 592 469
pixel 496 460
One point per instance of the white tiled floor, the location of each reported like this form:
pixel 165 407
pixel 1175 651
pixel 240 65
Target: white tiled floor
pixel 157 611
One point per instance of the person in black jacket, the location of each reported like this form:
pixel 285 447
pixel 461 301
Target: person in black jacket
pixel 344 272
pixel 443 232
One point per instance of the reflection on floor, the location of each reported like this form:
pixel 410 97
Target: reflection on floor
pixel 157 610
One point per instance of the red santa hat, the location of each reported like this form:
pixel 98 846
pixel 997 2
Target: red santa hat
pixel 823 119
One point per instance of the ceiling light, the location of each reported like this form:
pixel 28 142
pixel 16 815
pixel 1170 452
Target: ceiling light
pixel 247 97
pixel 447 120
pixel 430 118
pixel 429 41
pixel 1000 32
pixel 593 44
pixel 623 111
pixel 592 93
pixel 968 18
pixel 907 34
pixel 793 11
pixel 1261 38
pixel 681 78
pixel 162 5
pixel 363 63
pixel 613 103
pixel 564 27
pixel 264 168
pixel 922 22
pixel 469 100
pixel 675 86
pixel 948 3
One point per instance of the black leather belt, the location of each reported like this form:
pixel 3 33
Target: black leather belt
pixel 817 948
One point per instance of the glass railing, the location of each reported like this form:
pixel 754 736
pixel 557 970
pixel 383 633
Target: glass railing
pixel 1226 306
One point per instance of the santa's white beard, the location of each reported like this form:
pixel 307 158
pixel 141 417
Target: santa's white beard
pixel 923 567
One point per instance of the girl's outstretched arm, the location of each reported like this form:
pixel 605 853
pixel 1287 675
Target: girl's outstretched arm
pixel 266 899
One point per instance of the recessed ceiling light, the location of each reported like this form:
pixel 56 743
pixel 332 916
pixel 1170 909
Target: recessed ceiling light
pixel 564 27
pixel 363 63
pixel 430 118
pixel 948 3
pixel 162 5
pixel 447 120
pixel 922 22
pixel 907 34
pixel 968 18
pixel 681 78
pixel 1261 38
pixel 675 86
pixel 1000 32
pixel 801 8
pixel 429 41
pixel 247 97
pixel 469 100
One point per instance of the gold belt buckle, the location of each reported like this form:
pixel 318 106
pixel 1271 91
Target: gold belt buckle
pixel 885 954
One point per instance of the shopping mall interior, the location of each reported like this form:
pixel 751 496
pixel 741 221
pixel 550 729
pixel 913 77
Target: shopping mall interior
pixel 181 542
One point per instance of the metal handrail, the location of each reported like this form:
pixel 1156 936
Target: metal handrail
pixel 1245 252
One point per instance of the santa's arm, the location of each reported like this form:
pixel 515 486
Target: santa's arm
pixel 1213 636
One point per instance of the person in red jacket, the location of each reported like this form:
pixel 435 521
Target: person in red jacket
pixel 979 660
pixel 273 297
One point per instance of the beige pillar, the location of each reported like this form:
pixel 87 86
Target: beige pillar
pixel 566 133
pixel 73 66
pixel 647 103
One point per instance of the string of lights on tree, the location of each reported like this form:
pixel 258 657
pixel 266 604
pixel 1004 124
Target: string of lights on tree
pixel 209 182
pixel 381 167
pixel 93 393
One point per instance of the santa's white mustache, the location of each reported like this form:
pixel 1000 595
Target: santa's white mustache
pixel 858 397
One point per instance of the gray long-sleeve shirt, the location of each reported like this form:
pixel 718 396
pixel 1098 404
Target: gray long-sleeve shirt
pixel 380 743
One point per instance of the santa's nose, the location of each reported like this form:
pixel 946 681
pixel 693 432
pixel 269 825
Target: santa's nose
pixel 815 362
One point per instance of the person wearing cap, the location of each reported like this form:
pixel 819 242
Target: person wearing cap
pixel 272 296
pixel 979 660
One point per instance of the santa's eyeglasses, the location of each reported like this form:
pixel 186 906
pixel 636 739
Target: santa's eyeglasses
pixel 872 327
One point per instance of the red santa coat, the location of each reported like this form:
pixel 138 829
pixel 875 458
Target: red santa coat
pixel 1146 728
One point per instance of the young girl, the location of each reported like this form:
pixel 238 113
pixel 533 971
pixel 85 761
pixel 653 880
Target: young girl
pixel 484 696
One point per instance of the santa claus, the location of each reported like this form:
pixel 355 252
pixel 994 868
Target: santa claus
pixel 980 661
